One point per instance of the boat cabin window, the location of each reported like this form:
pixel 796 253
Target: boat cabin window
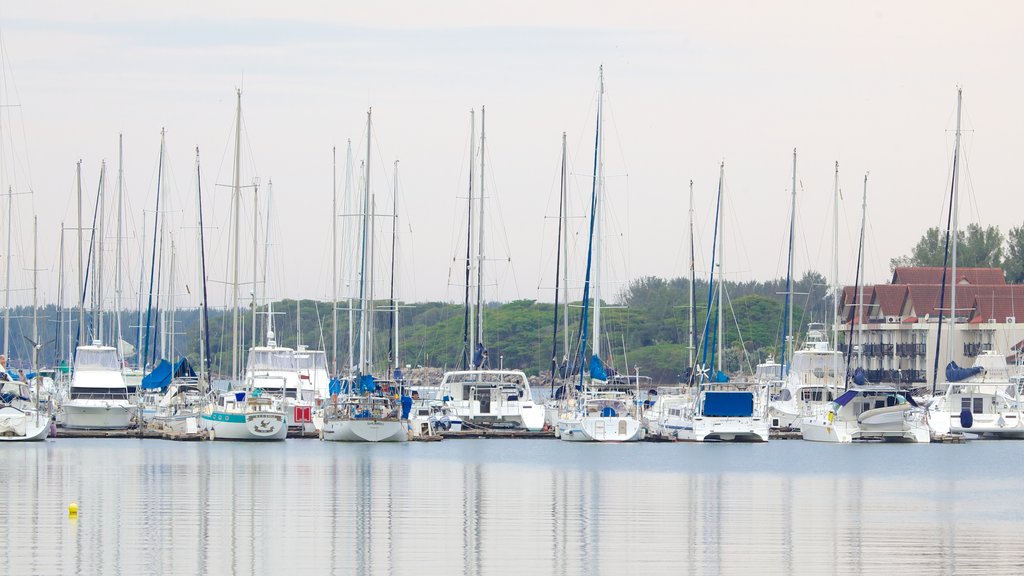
pixel 785 395
pixel 974 405
pixel 815 395
pixel 315 360
pixel 271 360
pixel 103 359
pixel 83 393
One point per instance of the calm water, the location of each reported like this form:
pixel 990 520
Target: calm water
pixel 510 507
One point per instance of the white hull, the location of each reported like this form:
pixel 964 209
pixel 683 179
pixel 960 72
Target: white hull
pixel 725 429
pixel 178 424
pixel 601 429
pixel 252 426
pixel 365 430
pixel 99 414
pixel 19 426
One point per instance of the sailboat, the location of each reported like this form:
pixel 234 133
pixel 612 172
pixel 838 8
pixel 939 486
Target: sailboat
pixel 863 411
pixel 981 399
pixel 98 396
pixel 721 410
pixel 370 412
pixel 244 414
pixel 478 394
pixel 812 375
pixel 21 416
pixel 598 410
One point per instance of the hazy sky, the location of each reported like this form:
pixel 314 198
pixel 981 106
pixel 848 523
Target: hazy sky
pixel 870 84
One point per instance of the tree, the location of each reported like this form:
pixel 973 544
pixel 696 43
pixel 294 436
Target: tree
pixel 977 247
pixel 1014 263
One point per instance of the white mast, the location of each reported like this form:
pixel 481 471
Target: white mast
pixel 599 192
pixel 334 260
pixel 789 276
pixel 170 306
pixel 955 207
pixel 860 293
pixel 117 252
pixel 479 337
pixel 691 340
pixel 394 237
pixel 81 264
pixel 237 198
pixel 98 304
pixel 364 312
pixel 469 239
pixel 7 280
pixel 350 266
pixel 835 261
pixel 255 258
pixel 35 298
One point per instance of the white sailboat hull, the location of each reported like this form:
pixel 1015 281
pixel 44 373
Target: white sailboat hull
pixel 22 426
pixel 601 429
pixel 365 430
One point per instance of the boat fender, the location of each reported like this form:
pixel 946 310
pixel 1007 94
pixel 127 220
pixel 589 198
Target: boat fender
pixel 966 418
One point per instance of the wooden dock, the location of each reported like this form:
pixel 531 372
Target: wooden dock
pixel 497 433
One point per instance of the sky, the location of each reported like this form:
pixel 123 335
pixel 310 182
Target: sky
pixel 689 86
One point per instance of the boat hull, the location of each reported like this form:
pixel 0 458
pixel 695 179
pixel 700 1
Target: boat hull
pixel 601 429
pixel 19 426
pixel 98 414
pixel 365 430
pixel 725 429
pixel 262 425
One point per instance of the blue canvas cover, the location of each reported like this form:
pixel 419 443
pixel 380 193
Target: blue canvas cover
pixel 955 373
pixel 367 384
pixel 597 371
pixel 159 378
pixel 728 404
pixel 183 369
pixel 406 407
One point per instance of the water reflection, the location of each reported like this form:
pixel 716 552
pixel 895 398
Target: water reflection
pixel 508 507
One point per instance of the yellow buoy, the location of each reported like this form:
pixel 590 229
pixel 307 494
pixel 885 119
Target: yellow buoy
pixel 73 509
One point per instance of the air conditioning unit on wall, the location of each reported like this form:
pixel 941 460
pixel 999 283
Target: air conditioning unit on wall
pixel 1011 319
pixel 893 319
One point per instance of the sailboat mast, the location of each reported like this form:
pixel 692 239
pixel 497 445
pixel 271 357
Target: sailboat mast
pixel 81 262
pixel 204 344
pixel 7 279
pixel 721 269
pixel 152 261
pixel 237 198
pixel 393 324
pixel 599 183
pixel 558 265
pixel 349 235
pixel 255 260
pixel 469 331
pixel 860 287
pixel 564 213
pixel 334 260
pixel 170 308
pixel 117 252
pixel 479 337
pixel 835 260
pixel 35 295
pixel 788 354
pixel 955 208
pixel 99 253
pixel 364 313
pixel 692 316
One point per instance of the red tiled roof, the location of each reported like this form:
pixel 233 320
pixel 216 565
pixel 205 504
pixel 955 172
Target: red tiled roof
pixel 996 302
pixel 889 299
pixel 933 276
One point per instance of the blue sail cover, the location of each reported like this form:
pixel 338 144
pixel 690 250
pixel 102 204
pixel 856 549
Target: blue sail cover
pixel 597 371
pixel 721 377
pixel 159 378
pixel 859 377
pixel 406 407
pixel 183 369
pixel 334 388
pixel 728 404
pixel 367 384
pixel 955 373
